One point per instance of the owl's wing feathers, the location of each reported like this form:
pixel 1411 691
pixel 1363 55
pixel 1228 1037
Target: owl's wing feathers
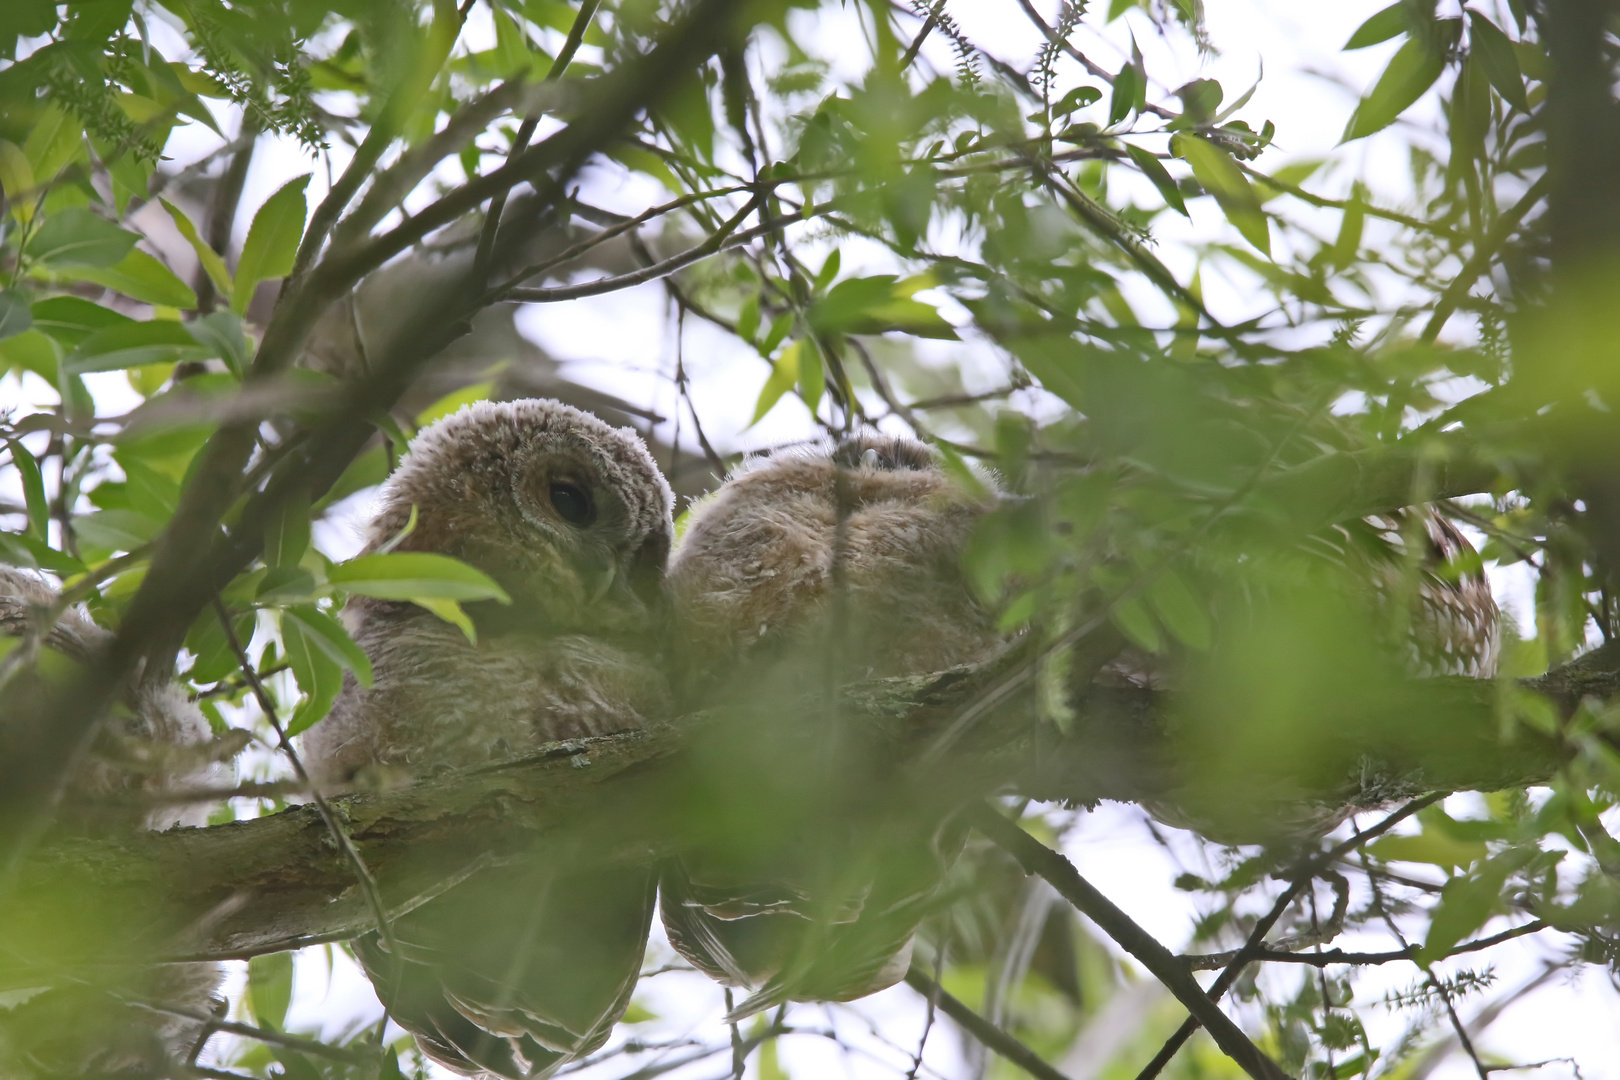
pixel 516 970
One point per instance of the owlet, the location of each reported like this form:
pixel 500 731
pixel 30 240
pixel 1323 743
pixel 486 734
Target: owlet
pixel 522 968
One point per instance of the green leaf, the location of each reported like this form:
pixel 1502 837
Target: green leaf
pixel 31 551
pixel 784 374
pixel 15 315
pixel 1412 70
pixel 812 376
pixel 1078 98
pixel 1466 904
pixel 1136 623
pixel 451 612
pixel 317 674
pixel 1126 91
pixel 220 333
pixel 33 482
pixel 79 237
pixel 140 277
pixel 211 262
pixel 286 537
pixel 1495 53
pixel 17 180
pixel 117 530
pixel 778 331
pixel 328 635
pixel 1052 360
pixel 1219 174
pixel 134 344
pixel 270 980
pixel 71 319
pixel 1381 27
pixel 1180 611
pixel 414 576
pixel 748 319
pixel 55 139
pixel 272 242
pixel 1155 171
pixel 876 305
pixel 829 270
pixel 454 402
pixel 206 641
pixel 1430 846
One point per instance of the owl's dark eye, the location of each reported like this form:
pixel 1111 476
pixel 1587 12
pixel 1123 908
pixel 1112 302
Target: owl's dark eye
pixel 572 504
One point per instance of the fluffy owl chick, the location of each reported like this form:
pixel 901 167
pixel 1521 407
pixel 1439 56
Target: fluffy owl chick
pixel 853 552
pixel 155 742
pixel 756 566
pixel 520 969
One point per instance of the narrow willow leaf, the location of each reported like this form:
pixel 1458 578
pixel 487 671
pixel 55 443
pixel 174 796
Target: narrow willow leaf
pixel 134 344
pixel 1180 611
pixel 212 264
pixel 450 612
pixel 286 537
pixel 1382 26
pixel 1219 174
pixel 784 374
pixel 270 980
pixel 15 315
pixel 140 277
pixel 1136 623
pixel 414 575
pixel 1495 53
pixel 272 242
pixel 317 675
pixel 55 139
pixel 33 482
pixel 79 237
pixel 17 180
pixel 1412 70
pixel 71 319
pixel 1155 171
pixel 454 402
pixel 117 530
pixel 328 635
pixel 812 376
pixel 220 332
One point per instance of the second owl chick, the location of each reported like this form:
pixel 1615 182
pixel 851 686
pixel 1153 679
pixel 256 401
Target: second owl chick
pixel 876 524
pixel 841 563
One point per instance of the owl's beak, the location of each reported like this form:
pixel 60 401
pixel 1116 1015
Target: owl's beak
pixel 600 582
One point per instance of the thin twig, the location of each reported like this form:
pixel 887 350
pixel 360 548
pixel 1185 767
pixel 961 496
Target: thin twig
pixel 525 132
pixel 1298 880
pixel 993 1037
pixel 1210 961
pixel 368 884
pixel 722 240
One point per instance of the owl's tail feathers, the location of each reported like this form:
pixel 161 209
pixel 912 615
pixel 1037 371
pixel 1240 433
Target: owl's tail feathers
pixel 518 970
pixel 786 946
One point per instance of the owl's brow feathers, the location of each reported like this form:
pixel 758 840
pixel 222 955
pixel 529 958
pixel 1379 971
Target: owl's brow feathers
pixel 461 468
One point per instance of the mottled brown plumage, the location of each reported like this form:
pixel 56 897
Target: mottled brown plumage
pixel 803 568
pixel 518 969
pixel 755 570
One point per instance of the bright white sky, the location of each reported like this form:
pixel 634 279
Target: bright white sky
pixel 623 343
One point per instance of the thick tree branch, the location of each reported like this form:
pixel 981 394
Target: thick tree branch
pixel 277 882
